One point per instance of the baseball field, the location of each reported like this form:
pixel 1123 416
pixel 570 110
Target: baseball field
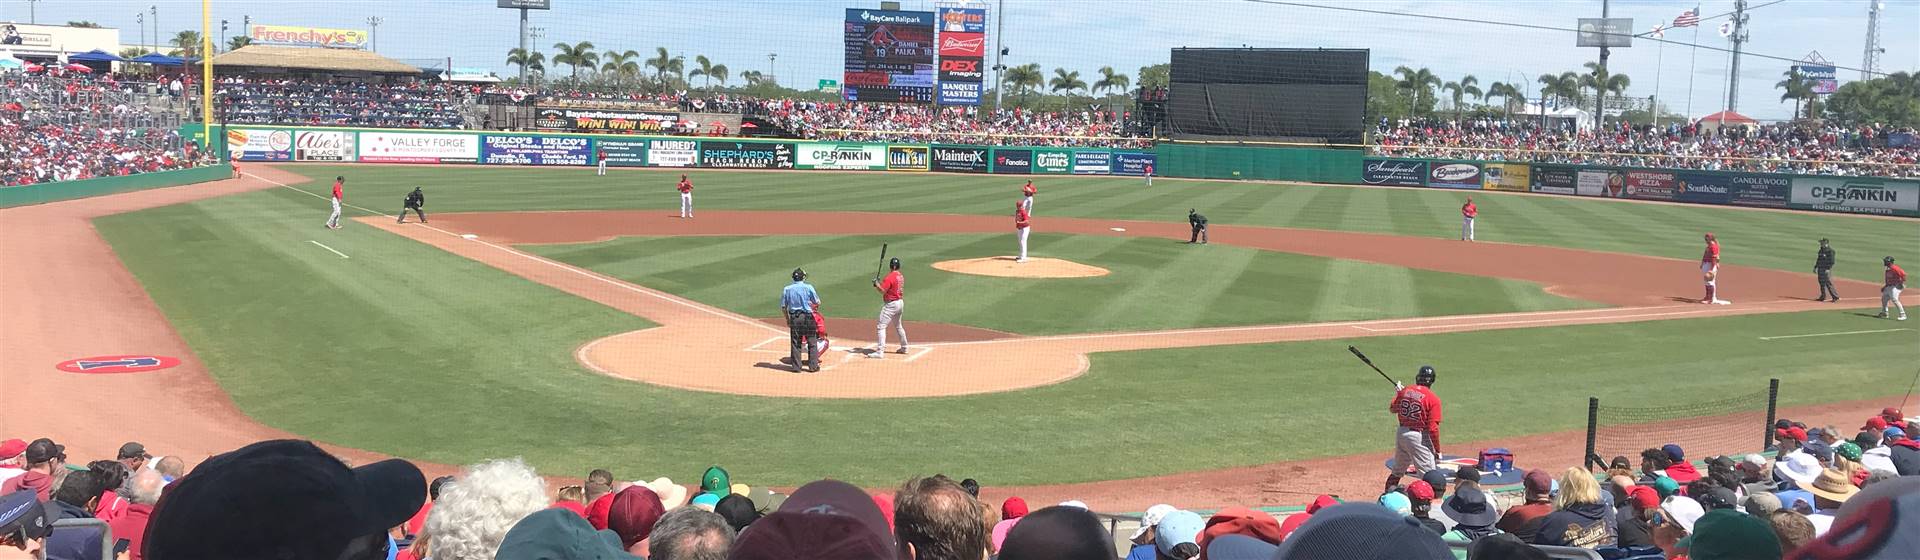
pixel 573 320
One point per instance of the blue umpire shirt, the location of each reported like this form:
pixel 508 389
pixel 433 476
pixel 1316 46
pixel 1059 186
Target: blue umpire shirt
pixel 798 296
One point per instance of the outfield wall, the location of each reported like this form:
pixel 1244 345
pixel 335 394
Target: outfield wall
pixel 66 190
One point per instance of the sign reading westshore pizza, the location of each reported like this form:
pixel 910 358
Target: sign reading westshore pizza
pixel 604 120
pixel 418 147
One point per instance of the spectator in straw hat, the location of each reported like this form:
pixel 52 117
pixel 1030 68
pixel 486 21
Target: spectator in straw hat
pixel 1830 490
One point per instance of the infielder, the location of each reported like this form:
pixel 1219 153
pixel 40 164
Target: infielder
pixel 1022 223
pixel 1199 224
pixel 1417 439
pixel 797 302
pixel 415 201
pixel 1710 270
pixel 891 290
pixel 601 156
pixel 686 197
pixel 1896 281
pixel 1823 267
pixel 339 196
pixel 1467 213
pixel 1028 191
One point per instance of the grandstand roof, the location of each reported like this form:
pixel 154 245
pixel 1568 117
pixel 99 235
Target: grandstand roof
pixel 306 58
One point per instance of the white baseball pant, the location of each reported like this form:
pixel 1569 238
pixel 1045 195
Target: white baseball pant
pixel 890 314
pixel 1023 242
pixel 1466 228
pixel 1410 447
pixel 603 167
pixel 686 205
pixel 333 220
pixel 1891 294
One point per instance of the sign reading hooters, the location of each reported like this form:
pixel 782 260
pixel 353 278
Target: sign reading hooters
pixel 415 147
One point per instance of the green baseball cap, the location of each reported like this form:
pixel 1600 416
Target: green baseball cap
pixel 716 481
pixel 1665 487
pixel 1725 534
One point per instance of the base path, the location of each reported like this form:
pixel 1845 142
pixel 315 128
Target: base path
pixel 704 348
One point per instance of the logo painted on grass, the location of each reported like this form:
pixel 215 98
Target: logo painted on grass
pixel 130 363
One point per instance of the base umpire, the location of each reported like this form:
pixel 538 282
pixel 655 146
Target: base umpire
pixel 1199 224
pixel 797 302
pixel 415 201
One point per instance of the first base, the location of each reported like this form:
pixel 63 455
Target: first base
pixel 469 236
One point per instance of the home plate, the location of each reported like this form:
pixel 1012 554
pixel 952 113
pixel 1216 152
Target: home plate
pixel 469 236
pixel 1117 228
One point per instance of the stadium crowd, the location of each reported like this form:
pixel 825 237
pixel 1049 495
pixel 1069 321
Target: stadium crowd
pixel 1820 496
pixel 60 128
pixel 1782 148
pixel 875 122
pixel 408 104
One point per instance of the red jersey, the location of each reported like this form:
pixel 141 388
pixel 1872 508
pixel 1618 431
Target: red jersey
pixel 892 286
pixel 1470 210
pixel 1149 169
pixel 686 186
pixel 1020 216
pixel 338 193
pixel 1418 408
pixel 1895 276
pixel 1713 253
pixel 1028 190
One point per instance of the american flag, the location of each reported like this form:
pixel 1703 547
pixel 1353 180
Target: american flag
pixel 1687 18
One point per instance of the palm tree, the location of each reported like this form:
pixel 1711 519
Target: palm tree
pixel 620 65
pixel 664 64
pixel 132 52
pixel 1419 83
pixel 530 63
pixel 1066 81
pixel 1024 78
pixel 238 42
pixel 1602 82
pixel 752 77
pixel 1507 94
pixel 1111 80
pixel 186 44
pixel 576 55
pixel 709 70
pixel 1798 87
pixel 1459 90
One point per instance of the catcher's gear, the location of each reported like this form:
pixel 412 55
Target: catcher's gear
pixel 1425 377
pixel 799 275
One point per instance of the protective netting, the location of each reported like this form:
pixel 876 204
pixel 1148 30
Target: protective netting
pixel 1702 427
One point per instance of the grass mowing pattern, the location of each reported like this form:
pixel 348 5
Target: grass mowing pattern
pixel 1156 283
pixel 1778 240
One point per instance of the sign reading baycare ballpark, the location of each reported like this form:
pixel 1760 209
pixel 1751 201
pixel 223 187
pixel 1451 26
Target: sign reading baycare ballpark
pixel 301 36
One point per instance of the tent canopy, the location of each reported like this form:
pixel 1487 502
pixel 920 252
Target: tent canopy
pixel 158 59
pixel 95 55
pixel 1728 117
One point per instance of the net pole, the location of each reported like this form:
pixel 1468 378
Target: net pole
pixel 206 70
pixel 1773 399
pixel 1593 425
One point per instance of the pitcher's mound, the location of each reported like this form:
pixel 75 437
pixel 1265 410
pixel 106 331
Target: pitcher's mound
pixel 1035 267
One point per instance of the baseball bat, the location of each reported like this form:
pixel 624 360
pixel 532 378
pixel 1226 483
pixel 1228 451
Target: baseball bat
pixel 1376 369
pixel 882 264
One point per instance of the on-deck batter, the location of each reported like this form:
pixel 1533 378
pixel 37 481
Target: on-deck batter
pixel 1710 271
pixel 686 197
pixel 892 289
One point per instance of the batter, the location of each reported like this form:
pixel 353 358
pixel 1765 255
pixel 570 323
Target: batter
pixel 892 289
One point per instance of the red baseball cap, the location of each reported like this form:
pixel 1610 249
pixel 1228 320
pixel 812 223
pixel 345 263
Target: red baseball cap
pixel 1891 412
pixel 1875 423
pixel 12 448
pixel 1420 490
pixel 1645 497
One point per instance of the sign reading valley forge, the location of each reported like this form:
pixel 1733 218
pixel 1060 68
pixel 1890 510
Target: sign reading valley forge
pixel 605 120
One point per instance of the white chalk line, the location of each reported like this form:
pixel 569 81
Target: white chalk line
pixel 924 350
pixel 1830 334
pixel 324 246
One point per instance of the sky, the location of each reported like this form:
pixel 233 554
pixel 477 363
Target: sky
pixel 1085 35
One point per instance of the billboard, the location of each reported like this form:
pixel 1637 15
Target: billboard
pixel 1453 175
pixel 889 56
pixel 526 4
pixel 962 49
pixel 1825 80
pixel 1605 32
pixel 533 150
pixel 959 159
pixel 826 155
pixel 323 145
pixel 1507 177
pixel 746 155
pixel 672 153
pixel 1092 162
pixel 1600 182
pixel 1405 173
pixel 1132 163
pixel 1859 195
pixel 906 158
pixel 418 147
pixel 259 144
pixel 1557 180
pixel 1704 188
pixel 1012 161
pixel 1650 185
pixel 622 153
pixel 1050 162
pixel 1764 191
pixel 604 120
pixel 303 36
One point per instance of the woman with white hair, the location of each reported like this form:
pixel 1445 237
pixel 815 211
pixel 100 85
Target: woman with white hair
pixel 1580 517
pixel 476 510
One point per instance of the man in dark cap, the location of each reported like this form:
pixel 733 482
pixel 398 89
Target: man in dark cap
pixel 1417 440
pixel 557 534
pixel 1521 520
pixel 797 302
pixel 1058 533
pixel 133 455
pixel 23 521
pixel 632 516
pixel 738 510
pixel 1362 531
pixel 285 500
pixel 1199 226
pixel 1823 268
pixel 824 520
pixel 43 456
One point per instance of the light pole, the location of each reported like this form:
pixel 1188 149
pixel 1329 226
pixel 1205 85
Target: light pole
pixel 140 18
pixel 771 75
pixel 999 69
pixel 373 23
pixel 155 11
pixel 33 13
pixel 223 35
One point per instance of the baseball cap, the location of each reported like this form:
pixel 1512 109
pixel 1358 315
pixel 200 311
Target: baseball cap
pixel 1891 412
pixel 21 515
pixel 1151 518
pixel 1058 533
pixel 12 448
pixel 1730 535
pixel 556 534
pixel 793 535
pixel 1875 423
pixel 281 497
pixel 1467 472
pixel 43 450
pixel 1179 527
pixel 633 514
pixel 1537 482
pixel 1437 479
pixel 1397 502
pixel 1754 461
pixel 1801 468
pixel 1674 453
pixel 1889 434
pixel 133 449
pixel 738 510
pixel 1075 504
pixel 840 498
pixel 1718 498
pixel 1240 547
pixel 1762 503
pixel 1644 498
pixel 715 481
pixel 1420 491
pixel 1682 510
pixel 1362 531
pixel 1665 486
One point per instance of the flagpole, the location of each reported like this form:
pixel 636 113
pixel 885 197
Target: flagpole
pixel 1692 59
pixel 1658 60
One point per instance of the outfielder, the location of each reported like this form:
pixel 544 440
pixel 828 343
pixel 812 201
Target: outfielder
pixel 415 201
pixel 1467 213
pixel 1149 174
pixel 1823 267
pixel 339 196
pixel 891 290
pixel 1710 270
pixel 686 197
pixel 1199 224
pixel 1896 281
pixel 1416 441
pixel 1021 222
pixel 798 302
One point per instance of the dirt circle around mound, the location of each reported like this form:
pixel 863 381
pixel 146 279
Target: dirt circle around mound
pixel 1010 267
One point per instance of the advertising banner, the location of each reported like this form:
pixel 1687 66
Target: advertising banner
pixel 1764 191
pixel 604 120
pixel 1556 180
pixel 323 145
pixel 1051 162
pixel 672 153
pixel 1824 79
pixel 1507 177
pixel 962 49
pixel 622 153
pixel 1600 182
pixel 960 159
pixel 1132 163
pixel 889 56
pixel 1859 195
pixel 1453 175
pixel 1651 185
pixel 419 147
pixel 1092 162
pixel 533 150
pixel 826 155
pixel 1703 188
pixel 303 36
pixel 259 144
pixel 906 158
pixel 746 155
pixel 1405 173
pixel 955 43
pixel 1012 161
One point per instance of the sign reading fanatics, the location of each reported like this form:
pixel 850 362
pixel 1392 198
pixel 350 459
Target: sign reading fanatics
pixel 1012 161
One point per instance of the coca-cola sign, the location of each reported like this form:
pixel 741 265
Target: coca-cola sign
pixel 323 145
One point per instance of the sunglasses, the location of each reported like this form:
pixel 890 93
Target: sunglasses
pixel 1659 519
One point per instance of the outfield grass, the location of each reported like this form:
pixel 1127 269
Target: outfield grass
pixel 1155 283
pixel 407 350
pixel 1780 240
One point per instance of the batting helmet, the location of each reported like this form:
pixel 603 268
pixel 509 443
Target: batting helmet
pixel 1425 377
pixel 1886 261
pixel 799 275
pixel 894 263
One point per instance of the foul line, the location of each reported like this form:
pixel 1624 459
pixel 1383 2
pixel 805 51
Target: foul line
pixel 923 351
pixel 561 266
pixel 324 246
pixel 1830 334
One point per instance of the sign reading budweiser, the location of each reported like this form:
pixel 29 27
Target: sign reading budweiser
pixel 963 44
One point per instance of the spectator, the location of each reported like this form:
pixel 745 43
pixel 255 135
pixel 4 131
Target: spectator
pixel 1674 523
pixel 1421 494
pixel 113 475
pixel 1579 518
pixel 11 463
pixel 602 476
pixel 632 516
pixel 1792 529
pixel 691 534
pixel 1504 547
pixel 1762 504
pixel 130 527
pixel 1177 537
pixel 133 455
pixel 1240 547
pixel 738 510
pixel 1653 464
pixel 171 468
pixel 1620 466
pixel 936 519
pixel 1903 450
pixel 1753 474
pixel 1362 531
pixel 1397 502
pixel 476 510
pixel 1473 514
pixel 823 520
pixel 44 460
pixel 343 514
pixel 1294 521
pixel 1015 508
pixel 1521 519
pixel 1058 533
pixel 716 481
pixel 1846 459
pixel 972 487
pixel 555 534
pixel 77 498
pixel 1797 471
pixel 1633 522
pixel 1731 535
pixel 1239 521
pixel 1830 490
pixel 416 525
pixel 23 522
pixel 1677 467
pixel 599 497
pixel 1873 455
